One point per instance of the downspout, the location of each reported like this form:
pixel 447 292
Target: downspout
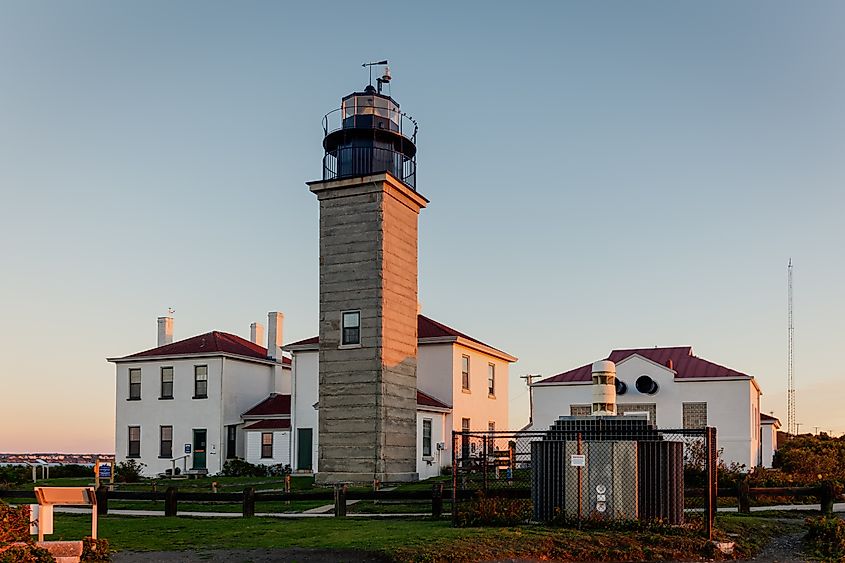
pixel 221 421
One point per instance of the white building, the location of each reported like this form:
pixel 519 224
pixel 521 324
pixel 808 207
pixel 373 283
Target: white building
pixel 461 383
pixel 769 426
pixel 180 404
pixel 675 389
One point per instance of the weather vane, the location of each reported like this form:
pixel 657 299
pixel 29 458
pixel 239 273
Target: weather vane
pixel 384 79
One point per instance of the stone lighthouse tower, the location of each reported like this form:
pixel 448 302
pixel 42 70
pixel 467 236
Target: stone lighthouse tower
pixel 368 291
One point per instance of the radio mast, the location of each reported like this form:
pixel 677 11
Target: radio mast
pixel 791 424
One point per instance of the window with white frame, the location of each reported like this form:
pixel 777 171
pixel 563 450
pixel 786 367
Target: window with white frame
pixel 426 437
pixel 166 442
pixel 465 373
pixel 166 383
pixel 135 384
pixel 266 445
pixel 200 382
pixel 134 449
pixel 491 380
pixel 350 328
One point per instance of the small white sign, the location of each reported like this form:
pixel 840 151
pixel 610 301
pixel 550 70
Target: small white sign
pixel 578 460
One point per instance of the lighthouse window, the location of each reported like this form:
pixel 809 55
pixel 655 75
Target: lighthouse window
pixel 351 328
pixel 604 379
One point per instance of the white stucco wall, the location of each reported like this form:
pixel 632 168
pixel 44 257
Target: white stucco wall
pixel 476 404
pixel 435 366
pixel 281 447
pixel 730 404
pixel 182 412
pixel 245 384
pixel 769 438
pixel 305 394
pixel 429 466
pixel 233 387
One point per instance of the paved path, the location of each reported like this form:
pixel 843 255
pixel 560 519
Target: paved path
pixel 198 514
pixel 248 555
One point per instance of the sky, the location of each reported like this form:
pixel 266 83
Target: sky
pixel 601 174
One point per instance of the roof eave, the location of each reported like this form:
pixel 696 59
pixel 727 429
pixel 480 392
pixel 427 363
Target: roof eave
pixel 134 359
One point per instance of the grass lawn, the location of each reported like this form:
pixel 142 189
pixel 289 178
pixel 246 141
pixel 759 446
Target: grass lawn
pixel 419 539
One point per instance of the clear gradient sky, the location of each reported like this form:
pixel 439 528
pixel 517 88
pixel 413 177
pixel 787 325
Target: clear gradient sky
pixel 601 175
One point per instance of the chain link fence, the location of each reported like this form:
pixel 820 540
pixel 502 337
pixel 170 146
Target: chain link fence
pixel 591 469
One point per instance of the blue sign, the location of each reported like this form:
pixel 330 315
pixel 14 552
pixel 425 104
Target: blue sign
pixel 105 471
pixel 187 448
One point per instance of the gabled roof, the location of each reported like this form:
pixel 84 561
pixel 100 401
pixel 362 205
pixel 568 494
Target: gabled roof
pixel 277 404
pixel 210 343
pixel 679 358
pixel 766 419
pixel 429 331
pixel 269 424
pixel 426 400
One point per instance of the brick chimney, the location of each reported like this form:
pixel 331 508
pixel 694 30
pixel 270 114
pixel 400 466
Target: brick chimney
pixel 275 321
pixel 256 333
pixel 165 330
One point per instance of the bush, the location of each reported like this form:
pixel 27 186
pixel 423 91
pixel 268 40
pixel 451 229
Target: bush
pixel 825 538
pixel 11 475
pixel 95 551
pixel 14 523
pixel 241 468
pixel 27 553
pixel 71 470
pixel 810 459
pixel 491 511
pixel 129 471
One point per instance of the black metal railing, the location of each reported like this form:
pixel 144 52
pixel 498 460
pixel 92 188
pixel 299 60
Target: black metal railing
pixel 345 162
pixel 377 118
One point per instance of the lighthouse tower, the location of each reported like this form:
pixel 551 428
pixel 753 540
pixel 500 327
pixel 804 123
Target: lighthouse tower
pixel 368 291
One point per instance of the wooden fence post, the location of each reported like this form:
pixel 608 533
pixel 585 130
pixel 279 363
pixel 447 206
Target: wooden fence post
pixel 102 500
pixel 437 500
pixel 249 502
pixel 827 496
pixel 340 500
pixel 170 501
pixel 744 496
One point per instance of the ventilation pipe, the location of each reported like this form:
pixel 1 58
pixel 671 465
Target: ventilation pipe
pixel 647 385
pixel 604 388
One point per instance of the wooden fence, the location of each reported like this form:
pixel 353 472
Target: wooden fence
pixel 827 494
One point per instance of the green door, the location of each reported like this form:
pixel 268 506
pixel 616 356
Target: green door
pixel 199 449
pixel 304 448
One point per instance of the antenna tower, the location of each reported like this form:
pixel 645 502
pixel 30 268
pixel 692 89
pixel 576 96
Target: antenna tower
pixel 791 424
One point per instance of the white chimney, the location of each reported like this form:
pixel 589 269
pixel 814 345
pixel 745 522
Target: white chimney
pixel 604 388
pixel 165 330
pixel 275 321
pixel 256 333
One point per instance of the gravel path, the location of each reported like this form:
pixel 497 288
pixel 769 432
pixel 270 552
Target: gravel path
pixel 783 549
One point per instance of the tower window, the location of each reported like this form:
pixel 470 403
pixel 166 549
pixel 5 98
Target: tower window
pixel 135 384
pixel 351 328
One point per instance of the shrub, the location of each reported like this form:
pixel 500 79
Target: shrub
pixel 71 470
pixel 14 523
pixel 27 553
pixel 492 511
pixel 129 471
pixel 11 475
pixel 95 551
pixel 825 538
pixel 810 459
pixel 241 468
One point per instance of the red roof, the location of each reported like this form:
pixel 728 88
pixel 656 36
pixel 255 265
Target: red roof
pixel 766 418
pixel 426 328
pixel 679 358
pixel 214 342
pixel 270 424
pixel 274 405
pixel 429 401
